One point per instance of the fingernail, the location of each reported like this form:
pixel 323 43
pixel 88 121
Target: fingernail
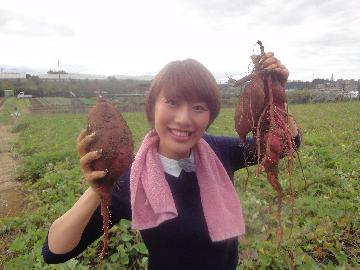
pixel 99 151
pixel 92 134
pixel 106 171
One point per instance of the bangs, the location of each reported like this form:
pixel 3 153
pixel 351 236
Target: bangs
pixel 183 89
pixel 188 81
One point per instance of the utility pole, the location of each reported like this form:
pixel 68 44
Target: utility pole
pixel 59 69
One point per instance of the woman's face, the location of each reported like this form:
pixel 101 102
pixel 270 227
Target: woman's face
pixel 180 124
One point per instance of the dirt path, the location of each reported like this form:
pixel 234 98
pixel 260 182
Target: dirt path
pixel 12 201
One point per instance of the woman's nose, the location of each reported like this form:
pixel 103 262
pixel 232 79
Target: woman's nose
pixel 183 115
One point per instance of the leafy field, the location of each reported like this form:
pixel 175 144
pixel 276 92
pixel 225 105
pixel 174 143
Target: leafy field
pixel 321 230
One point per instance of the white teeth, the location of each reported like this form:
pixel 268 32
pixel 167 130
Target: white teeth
pixel 180 133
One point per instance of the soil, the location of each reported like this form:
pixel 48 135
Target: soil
pixel 12 199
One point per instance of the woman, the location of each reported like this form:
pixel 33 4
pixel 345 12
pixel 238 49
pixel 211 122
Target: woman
pixel 179 190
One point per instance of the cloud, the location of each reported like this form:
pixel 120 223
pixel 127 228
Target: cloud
pixel 219 14
pixel 309 36
pixel 220 8
pixel 255 15
pixel 336 39
pixel 14 23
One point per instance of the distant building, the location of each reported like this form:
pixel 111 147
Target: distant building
pixel 347 85
pixel 5 76
pixel 71 76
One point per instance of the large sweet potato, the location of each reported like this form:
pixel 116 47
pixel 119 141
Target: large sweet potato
pixel 114 138
pixel 249 106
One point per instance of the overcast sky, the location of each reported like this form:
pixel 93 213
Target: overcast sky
pixel 312 38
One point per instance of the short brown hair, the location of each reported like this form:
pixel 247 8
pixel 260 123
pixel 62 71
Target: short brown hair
pixel 187 79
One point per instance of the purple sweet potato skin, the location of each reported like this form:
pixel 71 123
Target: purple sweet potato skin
pixel 249 106
pixel 113 136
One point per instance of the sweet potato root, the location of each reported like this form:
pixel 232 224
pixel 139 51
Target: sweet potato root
pixel 115 139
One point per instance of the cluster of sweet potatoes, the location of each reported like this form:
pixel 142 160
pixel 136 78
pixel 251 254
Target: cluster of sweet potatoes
pixel 261 110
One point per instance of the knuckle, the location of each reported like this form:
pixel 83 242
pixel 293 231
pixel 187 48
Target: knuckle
pixel 95 175
pixel 80 146
pixel 95 154
pixel 86 139
pixel 81 135
pixel 82 161
pixel 86 159
pixel 88 177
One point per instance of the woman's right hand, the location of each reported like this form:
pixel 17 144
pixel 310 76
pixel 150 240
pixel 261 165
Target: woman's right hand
pixel 82 145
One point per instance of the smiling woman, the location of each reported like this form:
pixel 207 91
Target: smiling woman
pixel 189 216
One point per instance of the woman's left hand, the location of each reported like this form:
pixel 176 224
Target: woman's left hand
pixel 270 63
pixel 273 65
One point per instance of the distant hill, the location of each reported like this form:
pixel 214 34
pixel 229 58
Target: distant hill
pixel 21 69
pixel 39 71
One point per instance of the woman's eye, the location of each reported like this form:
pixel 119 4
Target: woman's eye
pixel 170 102
pixel 199 108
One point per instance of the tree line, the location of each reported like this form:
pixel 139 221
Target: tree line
pixel 81 88
pixel 302 92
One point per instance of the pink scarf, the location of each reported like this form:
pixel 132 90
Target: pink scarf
pixel 152 202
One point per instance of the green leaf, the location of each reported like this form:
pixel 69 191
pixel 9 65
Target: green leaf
pixel 17 245
pixel 114 257
pixel 141 248
pixel 124 260
pixel 126 237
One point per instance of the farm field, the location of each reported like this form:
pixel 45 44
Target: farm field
pixel 321 229
pixel 81 105
pixel 57 105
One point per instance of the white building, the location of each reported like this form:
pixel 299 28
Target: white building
pixel 71 76
pixel 4 76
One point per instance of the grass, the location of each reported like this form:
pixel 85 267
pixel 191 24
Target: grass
pixel 11 105
pixel 321 230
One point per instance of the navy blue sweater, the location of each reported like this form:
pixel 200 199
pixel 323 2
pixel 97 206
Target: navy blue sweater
pixel 183 242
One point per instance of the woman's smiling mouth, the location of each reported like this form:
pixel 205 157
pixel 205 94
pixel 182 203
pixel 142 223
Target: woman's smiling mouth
pixel 180 133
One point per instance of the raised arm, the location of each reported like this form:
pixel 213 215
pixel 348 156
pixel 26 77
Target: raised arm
pixel 66 231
